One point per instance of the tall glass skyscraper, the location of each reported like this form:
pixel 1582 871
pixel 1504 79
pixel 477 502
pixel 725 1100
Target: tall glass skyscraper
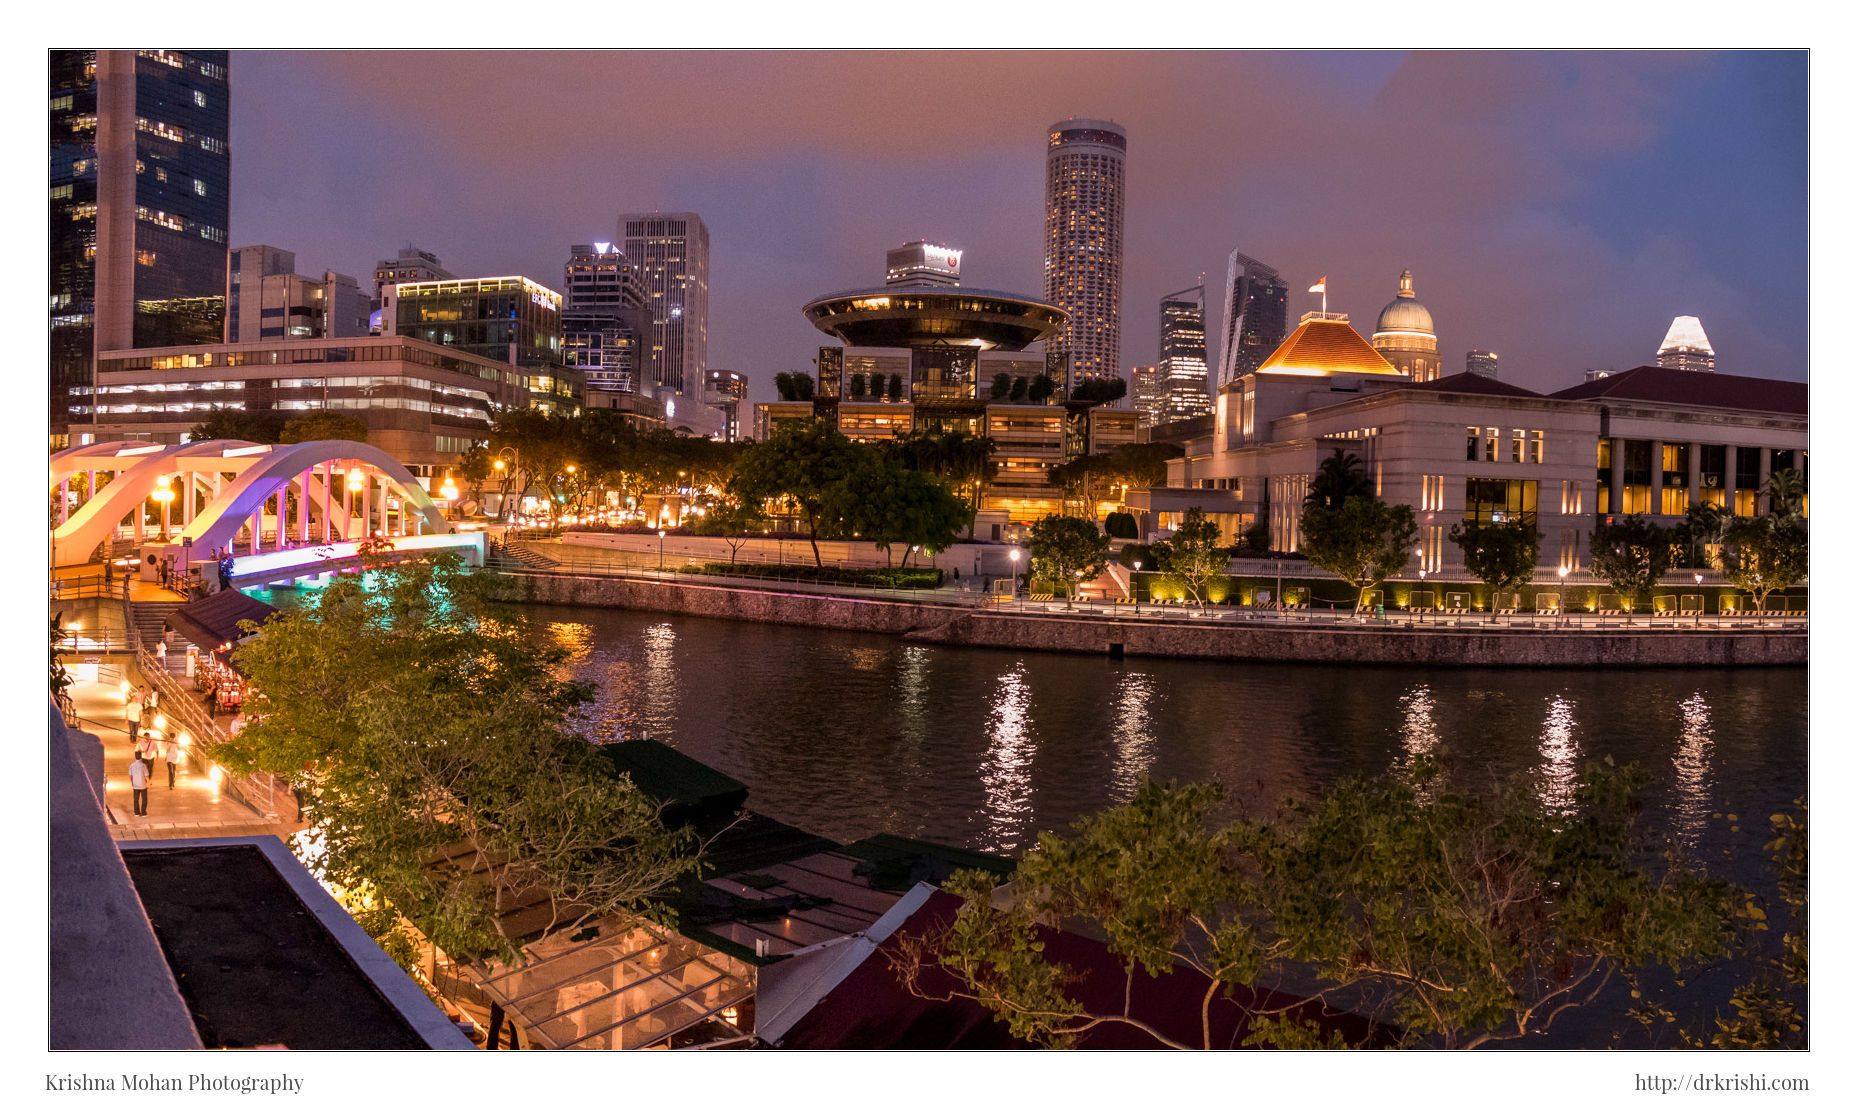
pixel 1255 316
pixel 1183 355
pixel 140 179
pixel 1084 242
pixel 672 253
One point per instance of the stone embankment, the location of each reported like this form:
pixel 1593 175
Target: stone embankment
pixel 1099 634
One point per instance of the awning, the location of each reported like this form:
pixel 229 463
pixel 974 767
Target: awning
pixel 214 619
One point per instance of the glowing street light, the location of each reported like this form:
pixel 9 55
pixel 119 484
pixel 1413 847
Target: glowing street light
pixel 1132 590
pixel 164 494
pixel 661 551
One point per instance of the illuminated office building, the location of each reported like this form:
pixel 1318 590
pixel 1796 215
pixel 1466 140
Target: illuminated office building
pixel 606 323
pixel 672 253
pixel 1183 355
pixel 1481 362
pixel 1685 347
pixel 1084 242
pixel 411 264
pixel 508 319
pixel 1148 393
pixel 140 177
pixel 725 392
pixel 922 263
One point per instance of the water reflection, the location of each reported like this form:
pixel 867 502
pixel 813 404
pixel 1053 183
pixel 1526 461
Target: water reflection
pixel 1132 732
pixel 1419 731
pixel 912 699
pixel 1692 762
pixel 1558 775
pixel 1006 773
pixel 659 677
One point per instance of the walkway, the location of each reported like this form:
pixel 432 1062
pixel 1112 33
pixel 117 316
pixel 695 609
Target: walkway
pixel 194 807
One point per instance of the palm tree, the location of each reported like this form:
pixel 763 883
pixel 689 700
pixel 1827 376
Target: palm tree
pixel 1338 478
pixel 1786 491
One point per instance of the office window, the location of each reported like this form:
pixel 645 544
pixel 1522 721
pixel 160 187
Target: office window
pixel 1470 444
pixel 1490 444
pixel 1516 445
pixel 1535 447
pixel 1496 500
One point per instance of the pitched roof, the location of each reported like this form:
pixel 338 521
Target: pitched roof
pixel 1665 385
pixel 214 619
pixel 1323 347
pixel 1473 383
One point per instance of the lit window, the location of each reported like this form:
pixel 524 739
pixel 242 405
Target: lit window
pixel 1535 447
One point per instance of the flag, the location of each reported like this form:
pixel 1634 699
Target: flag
pixel 1321 286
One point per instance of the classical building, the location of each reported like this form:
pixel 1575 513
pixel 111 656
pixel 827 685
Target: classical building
pixel 1084 241
pixel 266 300
pixel 1256 317
pixel 1481 362
pixel 140 198
pixel 423 403
pixel 1651 440
pixel 1685 347
pixel 1183 355
pixel 1404 334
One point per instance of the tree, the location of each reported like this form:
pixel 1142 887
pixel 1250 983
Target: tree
pixel 1338 478
pixel 1631 554
pixel 795 386
pixel 895 393
pixel 880 500
pixel 256 426
pixel 1067 550
pixel 1019 390
pixel 1448 918
pixel 1502 555
pixel 800 461
pixel 1702 529
pixel 425 722
pixel 324 424
pixel 1002 386
pixel 1787 493
pixel 731 520
pixel 1764 554
pixel 1363 541
pixel 961 459
pixel 857 385
pixel 1089 479
pixel 1041 389
pixel 474 467
pixel 1098 391
pixel 1192 557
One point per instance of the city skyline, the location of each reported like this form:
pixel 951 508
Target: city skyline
pixel 1551 202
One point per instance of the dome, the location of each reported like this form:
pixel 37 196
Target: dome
pixel 1404 313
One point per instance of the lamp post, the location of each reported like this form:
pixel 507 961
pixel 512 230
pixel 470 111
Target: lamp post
pixel 1561 610
pixel 164 494
pixel 1132 590
pixel 449 491
pixel 661 551
pixel 356 481
pixel 1699 580
pixel 1422 590
pixel 1014 556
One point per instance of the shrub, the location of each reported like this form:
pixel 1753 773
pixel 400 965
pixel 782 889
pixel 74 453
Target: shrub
pixel 1120 526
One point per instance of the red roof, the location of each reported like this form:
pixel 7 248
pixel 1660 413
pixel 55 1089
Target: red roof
pixel 1663 385
pixel 1473 383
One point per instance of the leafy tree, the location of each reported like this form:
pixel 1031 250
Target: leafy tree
pixel 474 466
pixel 1702 528
pixel 324 424
pixel 1090 479
pixel 731 520
pixel 1067 550
pixel 1338 478
pixel 1451 919
pixel 895 392
pixel 1258 536
pixel 424 722
pixel 1764 554
pixel 1766 1013
pixel 1120 526
pixel 961 459
pixel 1501 555
pixel 1099 391
pixel 1001 387
pixel 1631 554
pixel 801 462
pixel 1364 541
pixel 256 426
pixel 857 385
pixel 60 678
pixel 784 386
pixel 1786 493
pixel 1041 389
pixel 883 501
pixel 1020 388
pixel 1192 557
pixel 794 386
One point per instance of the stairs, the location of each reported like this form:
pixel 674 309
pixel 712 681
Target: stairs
pixel 518 556
pixel 147 617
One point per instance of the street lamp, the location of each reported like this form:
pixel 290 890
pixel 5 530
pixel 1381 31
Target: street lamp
pixel 661 551
pixel 449 491
pixel 1133 593
pixel 165 495
pixel 1014 556
pixel 1422 590
pixel 1561 610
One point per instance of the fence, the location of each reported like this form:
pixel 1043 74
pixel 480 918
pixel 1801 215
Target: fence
pixel 257 791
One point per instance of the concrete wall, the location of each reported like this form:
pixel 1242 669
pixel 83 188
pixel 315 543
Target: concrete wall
pixel 962 625
pixel 984 559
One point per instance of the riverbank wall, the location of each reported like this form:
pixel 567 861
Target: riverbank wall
pixel 1097 634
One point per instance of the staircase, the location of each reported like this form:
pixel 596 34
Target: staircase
pixel 147 619
pixel 518 556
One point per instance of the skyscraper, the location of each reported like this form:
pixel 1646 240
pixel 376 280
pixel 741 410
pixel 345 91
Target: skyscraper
pixel 1481 362
pixel 1255 316
pixel 1685 347
pixel 922 263
pixel 1183 354
pixel 1404 334
pixel 140 172
pixel 672 253
pixel 606 325
pixel 1084 242
pixel 1148 393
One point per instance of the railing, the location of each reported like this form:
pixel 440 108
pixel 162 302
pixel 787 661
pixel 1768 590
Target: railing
pixel 109 641
pixel 964 594
pixel 257 791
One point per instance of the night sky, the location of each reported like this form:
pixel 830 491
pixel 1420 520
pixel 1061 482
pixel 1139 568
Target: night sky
pixel 1557 208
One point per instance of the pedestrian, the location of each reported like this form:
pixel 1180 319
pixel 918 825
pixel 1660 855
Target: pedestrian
pixel 212 701
pixel 171 754
pixel 161 653
pixel 138 784
pixel 132 710
pixel 109 572
pixel 153 701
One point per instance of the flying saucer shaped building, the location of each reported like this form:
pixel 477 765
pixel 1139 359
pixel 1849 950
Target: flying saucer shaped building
pixel 944 329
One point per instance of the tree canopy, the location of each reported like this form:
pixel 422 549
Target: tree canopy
pixel 800 462
pixel 323 424
pixel 1502 555
pixel 424 722
pixel 1631 554
pixel 256 426
pixel 1363 541
pixel 1192 557
pixel 1066 550
pixel 1764 554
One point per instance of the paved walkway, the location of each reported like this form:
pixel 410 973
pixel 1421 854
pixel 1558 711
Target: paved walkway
pixel 193 807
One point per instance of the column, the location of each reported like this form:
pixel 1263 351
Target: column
pixel 1657 476
pixel 1696 473
pixel 303 507
pixel 328 495
pixel 188 484
pixel 258 523
pixel 1616 484
pixel 1767 466
pixel 367 506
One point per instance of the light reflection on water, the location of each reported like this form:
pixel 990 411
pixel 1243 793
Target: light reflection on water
pixel 1419 733
pixel 1006 772
pixel 1692 763
pixel 1560 769
pixel 1132 733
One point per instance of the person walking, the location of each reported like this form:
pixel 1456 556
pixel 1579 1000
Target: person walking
pixel 171 754
pixel 138 785
pixel 132 711
pixel 161 653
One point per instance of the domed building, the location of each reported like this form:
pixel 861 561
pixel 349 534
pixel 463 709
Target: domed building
pixel 1404 334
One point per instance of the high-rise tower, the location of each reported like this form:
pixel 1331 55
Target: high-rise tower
pixel 140 173
pixel 1084 242
pixel 1183 354
pixel 606 327
pixel 1256 320
pixel 1404 334
pixel 1685 347
pixel 672 253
